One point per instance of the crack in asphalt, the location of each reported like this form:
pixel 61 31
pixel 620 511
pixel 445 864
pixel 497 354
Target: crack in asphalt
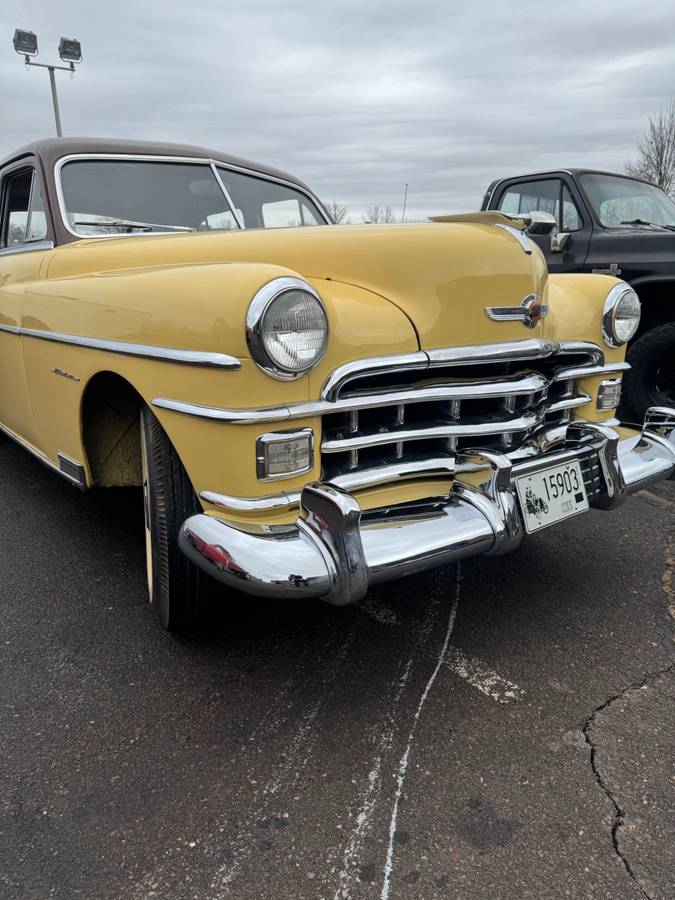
pixel 619 815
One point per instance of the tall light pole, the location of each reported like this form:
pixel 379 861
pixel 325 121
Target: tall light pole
pixel 405 200
pixel 70 51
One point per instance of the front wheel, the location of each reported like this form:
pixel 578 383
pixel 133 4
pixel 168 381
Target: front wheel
pixel 176 587
pixel 651 379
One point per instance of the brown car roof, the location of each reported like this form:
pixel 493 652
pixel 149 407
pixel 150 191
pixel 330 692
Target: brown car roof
pixel 50 150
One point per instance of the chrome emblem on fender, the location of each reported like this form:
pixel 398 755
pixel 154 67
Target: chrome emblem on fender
pixel 530 312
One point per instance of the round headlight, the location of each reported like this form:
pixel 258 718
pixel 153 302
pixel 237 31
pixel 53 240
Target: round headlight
pixel 287 328
pixel 620 315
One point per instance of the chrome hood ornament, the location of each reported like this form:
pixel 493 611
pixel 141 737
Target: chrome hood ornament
pixel 530 312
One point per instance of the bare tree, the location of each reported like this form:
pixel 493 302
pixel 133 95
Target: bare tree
pixel 656 151
pixel 337 212
pixel 378 215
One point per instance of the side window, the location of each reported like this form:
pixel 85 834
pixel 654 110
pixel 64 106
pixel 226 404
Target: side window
pixel 551 195
pixel 543 196
pixel 37 217
pixel 264 203
pixel 24 217
pixel 571 220
pixel 16 198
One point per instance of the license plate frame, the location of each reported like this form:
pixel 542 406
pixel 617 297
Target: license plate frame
pixel 545 499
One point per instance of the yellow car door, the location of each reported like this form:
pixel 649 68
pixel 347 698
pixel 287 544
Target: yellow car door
pixel 23 244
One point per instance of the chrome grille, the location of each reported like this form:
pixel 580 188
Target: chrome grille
pixel 385 418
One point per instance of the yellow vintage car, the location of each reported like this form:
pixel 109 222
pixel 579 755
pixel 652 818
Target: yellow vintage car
pixel 310 409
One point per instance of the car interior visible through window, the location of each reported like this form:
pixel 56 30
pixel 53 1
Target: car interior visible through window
pixel 268 204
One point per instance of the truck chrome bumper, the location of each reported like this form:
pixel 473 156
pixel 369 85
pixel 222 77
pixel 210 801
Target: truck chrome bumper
pixel 334 552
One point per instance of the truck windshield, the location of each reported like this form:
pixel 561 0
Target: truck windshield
pixel 112 196
pixel 621 202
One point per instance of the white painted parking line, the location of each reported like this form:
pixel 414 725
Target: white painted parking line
pixel 472 670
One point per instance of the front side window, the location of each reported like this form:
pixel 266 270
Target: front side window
pixel 550 195
pixel 620 202
pixel 267 204
pixel 24 215
pixel 122 196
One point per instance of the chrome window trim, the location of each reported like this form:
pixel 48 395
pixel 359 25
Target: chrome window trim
pixel 147 351
pixel 261 302
pixel 272 437
pixel 27 247
pixel 148 157
pixel 290 184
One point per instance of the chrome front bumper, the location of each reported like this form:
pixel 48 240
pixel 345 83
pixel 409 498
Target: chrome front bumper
pixel 334 552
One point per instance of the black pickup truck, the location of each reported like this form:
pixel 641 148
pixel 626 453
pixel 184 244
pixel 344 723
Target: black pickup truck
pixel 615 225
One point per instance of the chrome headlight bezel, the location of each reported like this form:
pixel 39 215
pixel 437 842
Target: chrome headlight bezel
pixel 255 317
pixel 616 296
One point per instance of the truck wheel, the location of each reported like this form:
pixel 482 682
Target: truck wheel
pixel 176 588
pixel 651 380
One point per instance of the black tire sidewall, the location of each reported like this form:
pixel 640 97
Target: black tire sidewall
pixel 639 388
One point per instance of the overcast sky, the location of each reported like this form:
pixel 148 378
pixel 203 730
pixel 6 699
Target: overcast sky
pixel 356 97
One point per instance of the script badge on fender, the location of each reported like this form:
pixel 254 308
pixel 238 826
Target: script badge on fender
pixel 530 312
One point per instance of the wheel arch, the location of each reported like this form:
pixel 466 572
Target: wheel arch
pixel 110 428
pixel 657 296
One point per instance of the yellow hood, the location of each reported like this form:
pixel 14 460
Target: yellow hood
pixel 441 275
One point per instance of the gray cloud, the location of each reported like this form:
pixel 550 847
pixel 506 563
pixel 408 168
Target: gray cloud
pixel 356 98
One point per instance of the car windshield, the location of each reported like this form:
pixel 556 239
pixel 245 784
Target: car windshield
pixel 124 196
pixel 621 202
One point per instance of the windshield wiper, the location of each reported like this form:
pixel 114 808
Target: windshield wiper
pixel 652 224
pixel 125 223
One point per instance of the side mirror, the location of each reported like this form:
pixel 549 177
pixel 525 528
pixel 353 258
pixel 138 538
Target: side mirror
pixel 538 222
pixel 558 241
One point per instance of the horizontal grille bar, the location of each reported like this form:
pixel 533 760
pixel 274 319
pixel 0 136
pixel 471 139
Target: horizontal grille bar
pixel 333 444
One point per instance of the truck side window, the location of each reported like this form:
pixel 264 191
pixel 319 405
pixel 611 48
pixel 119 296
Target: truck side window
pixel 528 196
pixel 571 220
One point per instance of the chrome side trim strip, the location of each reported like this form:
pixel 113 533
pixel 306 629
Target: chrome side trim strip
pixel 10 329
pixel 30 247
pixel 469 390
pixel 41 457
pixel 439 467
pixel 507 351
pixel 147 351
pixel 589 371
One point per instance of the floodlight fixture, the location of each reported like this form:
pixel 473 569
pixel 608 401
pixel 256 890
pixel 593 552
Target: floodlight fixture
pixel 70 50
pixel 25 42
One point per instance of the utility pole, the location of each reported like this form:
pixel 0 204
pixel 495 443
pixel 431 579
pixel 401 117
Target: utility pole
pixel 405 200
pixel 70 51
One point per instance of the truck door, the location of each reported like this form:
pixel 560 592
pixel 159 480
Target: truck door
pixel 558 196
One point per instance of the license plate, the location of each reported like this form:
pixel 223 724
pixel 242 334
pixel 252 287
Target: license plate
pixel 551 495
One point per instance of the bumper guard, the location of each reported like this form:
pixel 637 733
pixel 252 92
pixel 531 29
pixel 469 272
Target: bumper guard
pixel 335 554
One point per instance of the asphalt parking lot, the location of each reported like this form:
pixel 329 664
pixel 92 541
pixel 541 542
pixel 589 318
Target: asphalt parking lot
pixel 499 729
